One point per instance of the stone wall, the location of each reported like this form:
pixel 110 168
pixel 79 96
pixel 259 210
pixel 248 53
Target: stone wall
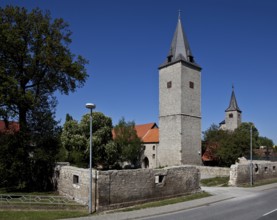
pixel 240 173
pixel 210 172
pixel 73 182
pixel 116 188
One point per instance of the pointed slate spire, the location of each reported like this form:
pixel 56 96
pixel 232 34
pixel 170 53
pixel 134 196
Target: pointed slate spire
pixel 233 106
pixel 179 49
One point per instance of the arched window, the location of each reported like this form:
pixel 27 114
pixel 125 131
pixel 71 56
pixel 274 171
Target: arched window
pixel 145 163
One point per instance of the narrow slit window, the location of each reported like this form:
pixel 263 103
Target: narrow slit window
pixel 191 85
pixel 169 84
pixel 75 179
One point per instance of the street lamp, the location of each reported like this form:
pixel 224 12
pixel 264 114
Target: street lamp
pixel 251 166
pixel 91 107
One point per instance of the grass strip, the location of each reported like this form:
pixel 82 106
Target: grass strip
pixel 216 181
pixel 260 182
pixel 167 201
pixel 40 215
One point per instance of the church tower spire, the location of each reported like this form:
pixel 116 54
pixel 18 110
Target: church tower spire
pixel 179 48
pixel 232 114
pixel 233 106
pixel 179 104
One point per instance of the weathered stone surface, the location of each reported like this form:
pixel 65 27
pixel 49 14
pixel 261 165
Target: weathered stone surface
pixel 209 172
pixel 118 188
pixel 240 173
pixel 180 115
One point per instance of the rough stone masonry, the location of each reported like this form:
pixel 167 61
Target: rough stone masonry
pixel 119 188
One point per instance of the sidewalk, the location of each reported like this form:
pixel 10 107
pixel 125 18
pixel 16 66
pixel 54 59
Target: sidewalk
pixel 218 194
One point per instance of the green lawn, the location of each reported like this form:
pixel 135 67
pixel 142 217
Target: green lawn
pixel 216 181
pixel 167 201
pixel 260 182
pixel 40 215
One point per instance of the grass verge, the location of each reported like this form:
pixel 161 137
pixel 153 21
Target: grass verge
pixel 260 183
pixel 167 201
pixel 216 181
pixel 40 215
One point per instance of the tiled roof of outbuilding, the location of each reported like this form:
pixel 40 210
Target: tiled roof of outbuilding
pixel 152 136
pixel 148 133
pixel 144 128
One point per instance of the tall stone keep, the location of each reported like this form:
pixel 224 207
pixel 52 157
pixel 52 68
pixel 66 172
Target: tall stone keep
pixel 232 113
pixel 179 105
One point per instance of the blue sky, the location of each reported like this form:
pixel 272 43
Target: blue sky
pixel 234 41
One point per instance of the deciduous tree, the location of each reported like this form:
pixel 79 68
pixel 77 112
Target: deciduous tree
pixel 36 61
pixel 127 141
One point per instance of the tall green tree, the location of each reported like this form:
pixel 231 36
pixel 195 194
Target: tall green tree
pixel 101 136
pixel 35 63
pixel 76 136
pixel 266 142
pixel 74 142
pixel 128 143
pixel 231 144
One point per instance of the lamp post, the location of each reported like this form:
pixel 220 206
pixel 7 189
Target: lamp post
pixel 91 107
pixel 251 168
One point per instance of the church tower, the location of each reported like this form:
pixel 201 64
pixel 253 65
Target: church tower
pixel 232 114
pixel 179 105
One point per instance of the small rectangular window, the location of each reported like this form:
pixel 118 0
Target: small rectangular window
pixel 265 169
pixel 154 147
pixel 75 179
pixel 159 179
pixel 169 84
pixel 274 168
pixel 191 85
pixel 153 156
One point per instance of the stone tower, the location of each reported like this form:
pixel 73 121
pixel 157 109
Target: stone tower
pixel 179 105
pixel 232 114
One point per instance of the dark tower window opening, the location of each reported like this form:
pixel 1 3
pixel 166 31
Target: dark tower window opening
pixel 191 85
pixel 169 84
pixel 231 115
pixel 169 58
pixel 191 59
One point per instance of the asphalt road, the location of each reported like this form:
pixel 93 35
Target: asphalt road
pixel 256 205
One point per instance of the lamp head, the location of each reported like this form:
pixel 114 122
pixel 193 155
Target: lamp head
pixel 90 106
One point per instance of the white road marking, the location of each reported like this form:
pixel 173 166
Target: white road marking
pixel 270 212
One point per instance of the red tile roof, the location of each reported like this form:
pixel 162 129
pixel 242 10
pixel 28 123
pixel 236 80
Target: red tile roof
pixel 12 126
pixel 144 128
pixel 148 133
pixel 152 136
pixel 210 153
